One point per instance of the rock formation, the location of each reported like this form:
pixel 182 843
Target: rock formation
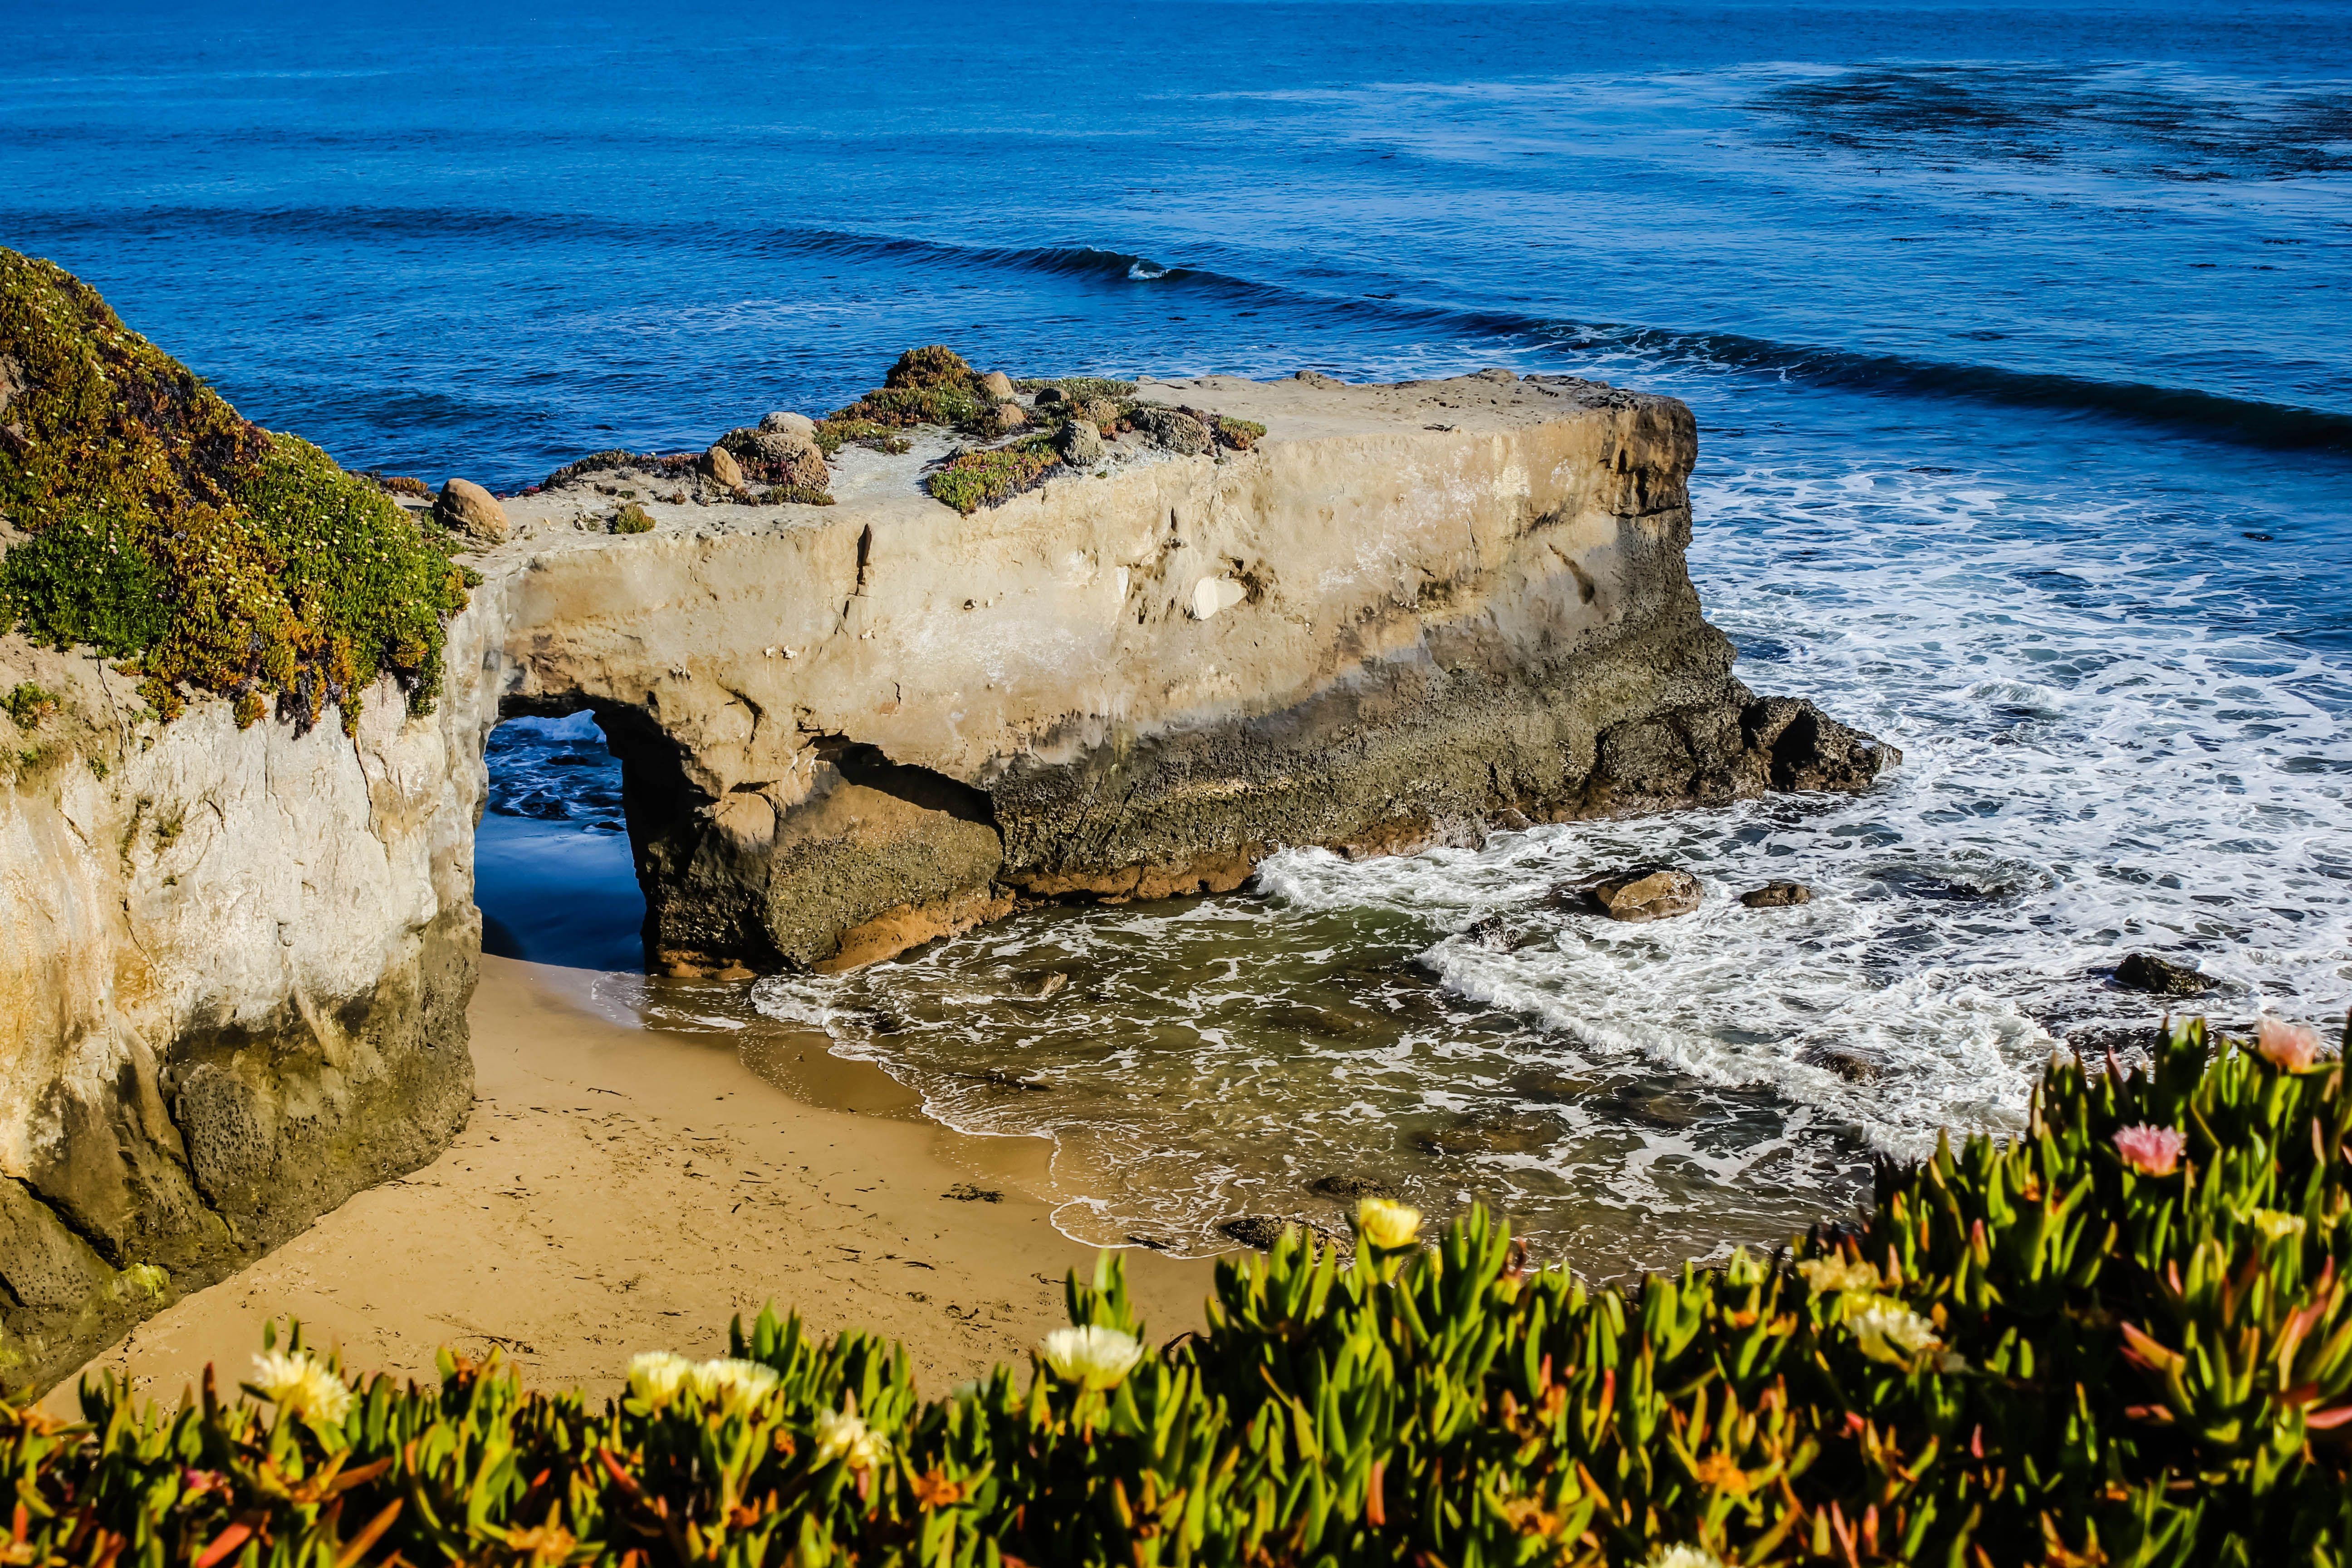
pixel 1406 610
pixel 235 953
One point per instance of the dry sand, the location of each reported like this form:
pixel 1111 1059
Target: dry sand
pixel 620 1189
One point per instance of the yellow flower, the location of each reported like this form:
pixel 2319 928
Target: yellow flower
pixel 1391 1227
pixel 734 1385
pixel 300 1383
pixel 2275 1225
pixel 1895 1334
pixel 1091 1357
pixel 1838 1272
pixel 656 1376
pixel 843 1434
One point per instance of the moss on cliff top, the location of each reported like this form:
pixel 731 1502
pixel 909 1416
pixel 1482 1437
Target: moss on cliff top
pixel 161 525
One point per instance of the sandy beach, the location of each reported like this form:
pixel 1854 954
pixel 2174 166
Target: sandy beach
pixel 618 1190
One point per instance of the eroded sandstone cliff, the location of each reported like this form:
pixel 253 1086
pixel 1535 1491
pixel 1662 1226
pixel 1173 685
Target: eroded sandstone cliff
pixel 1406 611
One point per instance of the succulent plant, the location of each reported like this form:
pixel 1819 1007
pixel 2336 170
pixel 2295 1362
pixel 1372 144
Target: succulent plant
pixel 2062 1349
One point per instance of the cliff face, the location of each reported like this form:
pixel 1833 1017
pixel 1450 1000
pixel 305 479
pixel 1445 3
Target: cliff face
pixel 235 962
pixel 1407 610
pixel 233 980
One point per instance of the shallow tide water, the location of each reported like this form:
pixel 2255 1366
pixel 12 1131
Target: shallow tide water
pixel 2016 338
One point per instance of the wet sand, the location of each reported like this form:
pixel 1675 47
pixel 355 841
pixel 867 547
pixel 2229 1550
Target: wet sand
pixel 619 1190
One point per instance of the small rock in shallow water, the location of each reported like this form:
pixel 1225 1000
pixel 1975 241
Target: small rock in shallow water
pixel 1039 985
pixel 2161 977
pixel 1258 1230
pixel 1777 896
pixel 1347 1189
pixel 466 508
pixel 1645 893
pixel 1854 1067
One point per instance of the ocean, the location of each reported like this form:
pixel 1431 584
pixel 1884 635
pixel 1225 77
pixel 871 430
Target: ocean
pixel 2020 339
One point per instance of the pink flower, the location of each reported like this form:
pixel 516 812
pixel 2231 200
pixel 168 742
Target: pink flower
pixel 2150 1150
pixel 2283 1045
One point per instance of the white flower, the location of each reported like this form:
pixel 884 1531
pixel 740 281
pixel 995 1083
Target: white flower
pixel 1893 1334
pixel 300 1383
pixel 1684 1557
pixel 1838 1272
pixel 1392 1227
pixel 656 1376
pixel 1091 1357
pixel 735 1385
pixel 843 1434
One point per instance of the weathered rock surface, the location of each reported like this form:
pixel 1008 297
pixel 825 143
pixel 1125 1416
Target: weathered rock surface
pixel 1080 444
pixel 468 509
pixel 719 467
pixel 233 966
pixel 233 973
pixel 1777 896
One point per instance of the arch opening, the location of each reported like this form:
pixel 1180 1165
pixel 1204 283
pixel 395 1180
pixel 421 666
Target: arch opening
pixel 555 865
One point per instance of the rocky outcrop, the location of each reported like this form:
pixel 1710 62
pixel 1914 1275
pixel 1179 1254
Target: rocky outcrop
pixel 234 971
pixel 1404 611
pixel 234 958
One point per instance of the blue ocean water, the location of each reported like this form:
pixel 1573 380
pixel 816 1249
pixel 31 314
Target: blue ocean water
pixel 2020 338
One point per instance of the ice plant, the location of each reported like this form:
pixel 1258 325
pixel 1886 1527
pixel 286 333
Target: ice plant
pixel 734 1385
pixel 1684 1557
pixel 2292 1046
pixel 1391 1227
pixel 843 1434
pixel 301 1385
pixel 656 1376
pixel 2274 1226
pixel 1838 1272
pixel 2150 1150
pixel 1895 1334
pixel 1092 1357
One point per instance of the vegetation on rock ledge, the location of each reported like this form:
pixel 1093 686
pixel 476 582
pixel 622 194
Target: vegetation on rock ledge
pixel 162 526
pixel 2122 1339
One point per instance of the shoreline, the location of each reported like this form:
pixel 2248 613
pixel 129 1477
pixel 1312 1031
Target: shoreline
pixel 683 1187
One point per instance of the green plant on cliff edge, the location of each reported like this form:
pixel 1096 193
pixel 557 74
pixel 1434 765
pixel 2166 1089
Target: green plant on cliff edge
pixel 2123 1338
pixel 163 527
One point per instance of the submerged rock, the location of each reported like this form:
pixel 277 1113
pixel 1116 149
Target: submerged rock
pixel 2161 977
pixel 1258 1230
pixel 1347 1189
pixel 1777 896
pixel 466 508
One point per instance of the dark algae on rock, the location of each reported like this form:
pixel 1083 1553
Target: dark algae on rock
pixel 158 524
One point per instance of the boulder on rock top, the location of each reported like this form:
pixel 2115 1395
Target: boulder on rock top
pixel 466 508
